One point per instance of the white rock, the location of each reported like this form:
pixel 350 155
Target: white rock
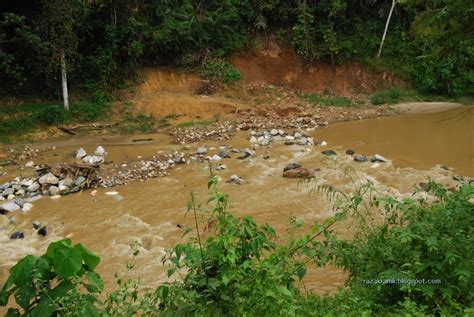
pixel 48 179
pixel 380 158
pixel 53 190
pixel 10 206
pixel 253 139
pixel 34 198
pixel 55 197
pixel 297 135
pixel 273 132
pixel 33 187
pixel 66 182
pixel 99 151
pixel 289 138
pixel 27 207
pixel 201 150
pixel 80 153
pixel 93 159
pixel 63 189
pixel 324 143
pixel 30 164
pixel 111 193
pixel 94 192
pixel 11 196
pixel 214 158
pixel 221 167
pixel 27 182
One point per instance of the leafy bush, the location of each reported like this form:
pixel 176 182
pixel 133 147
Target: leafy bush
pixel 217 69
pixel 62 281
pixel 427 244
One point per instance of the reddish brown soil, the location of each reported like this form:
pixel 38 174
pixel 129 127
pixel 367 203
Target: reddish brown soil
pixel 280 66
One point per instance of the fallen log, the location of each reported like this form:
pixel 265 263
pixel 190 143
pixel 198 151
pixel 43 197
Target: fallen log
pixel 67 130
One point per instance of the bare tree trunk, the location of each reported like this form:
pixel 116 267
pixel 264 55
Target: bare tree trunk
pixel 64 81
pixel 386 27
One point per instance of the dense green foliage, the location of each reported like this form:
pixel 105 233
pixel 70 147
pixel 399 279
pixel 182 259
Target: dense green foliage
pixel 414 259
pixel 429 41
pixel 62 281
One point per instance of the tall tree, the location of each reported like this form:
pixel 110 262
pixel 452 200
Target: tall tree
pixel 386 27
pixel 57 26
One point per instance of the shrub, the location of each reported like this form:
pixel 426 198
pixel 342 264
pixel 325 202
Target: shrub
pixel 393 96
pixel 217 69
pixel 61 281
pixel 428 242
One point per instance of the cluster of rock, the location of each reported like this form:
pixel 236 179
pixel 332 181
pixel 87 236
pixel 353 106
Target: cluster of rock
pixel 96 159
pixel 253 121
pixel 266 137
pixel 10 225
pixel 219 131
pixel 143 170
pixel 358 158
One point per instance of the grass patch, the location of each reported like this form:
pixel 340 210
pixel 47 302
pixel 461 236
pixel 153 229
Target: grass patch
pixel 327 101
pixel 138 123
pixel 395 95
pixel 18 120
pixel 204 122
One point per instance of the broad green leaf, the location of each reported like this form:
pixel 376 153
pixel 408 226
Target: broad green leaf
pixel 57 245
pixel 301 271
pixel 23 296
pixel 67 262
pixel 13 312
pixel 5 292
pixel 45 308
pixel 95 279
pixel 61 290
pixel 90 259
pixel 88 310
pixel 22 271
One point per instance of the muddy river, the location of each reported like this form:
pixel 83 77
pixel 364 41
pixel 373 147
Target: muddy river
pixel 417 145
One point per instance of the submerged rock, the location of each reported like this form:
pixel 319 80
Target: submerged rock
pixel 360 158
pixel 43 231
pixel 201 150
pixel 215 158
pixel 36 224
pixel 17 235
pixel 329 152
pixel 291 166
pixel 350 152
pixel 379 158
pixel 299 172
pixel 221 167
pixel 235 179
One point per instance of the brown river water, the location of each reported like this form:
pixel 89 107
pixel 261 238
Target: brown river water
pixel 416 145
